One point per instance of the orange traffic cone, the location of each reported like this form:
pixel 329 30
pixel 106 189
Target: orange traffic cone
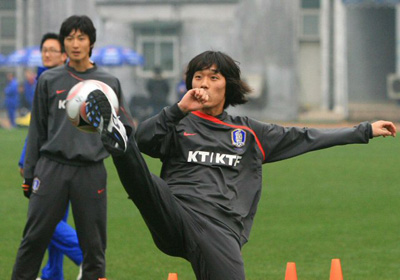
pixel 291 273
pixel 173 276
pixel 336 270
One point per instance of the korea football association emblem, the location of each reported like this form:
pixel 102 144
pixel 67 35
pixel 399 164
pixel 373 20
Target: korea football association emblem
pixel 35 185
pixel 238 137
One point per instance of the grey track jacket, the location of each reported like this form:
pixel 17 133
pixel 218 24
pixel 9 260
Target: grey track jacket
pixel 214 164
pixel 51 134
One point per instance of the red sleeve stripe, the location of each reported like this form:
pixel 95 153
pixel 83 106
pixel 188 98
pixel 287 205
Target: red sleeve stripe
pixel 215 120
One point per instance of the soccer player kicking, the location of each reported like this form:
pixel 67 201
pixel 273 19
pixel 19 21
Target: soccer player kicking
pixel 202 206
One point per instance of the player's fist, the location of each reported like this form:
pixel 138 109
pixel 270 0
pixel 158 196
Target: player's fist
pixel 27 187
pixel 383 128
pixel 193 100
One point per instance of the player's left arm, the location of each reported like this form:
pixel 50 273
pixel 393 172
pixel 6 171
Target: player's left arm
pixel 383 128
pixel 155 136
pixel 285 142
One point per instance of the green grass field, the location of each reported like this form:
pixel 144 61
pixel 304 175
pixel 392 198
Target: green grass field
pixel 343 203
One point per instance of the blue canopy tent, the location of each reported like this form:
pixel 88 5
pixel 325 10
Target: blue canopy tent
pixel 2 59
pixel 116 56
pixel 29 56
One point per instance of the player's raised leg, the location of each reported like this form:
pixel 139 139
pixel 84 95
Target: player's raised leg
pixel 101 114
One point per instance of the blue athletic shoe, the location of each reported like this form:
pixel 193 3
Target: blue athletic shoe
pixel 101 114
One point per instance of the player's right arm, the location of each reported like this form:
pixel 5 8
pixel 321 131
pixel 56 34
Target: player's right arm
pixel 154 135
pixel 193 100
pixel 37 133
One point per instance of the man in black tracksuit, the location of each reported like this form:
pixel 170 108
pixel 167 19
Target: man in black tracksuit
pixel 202 206
pixel 63 164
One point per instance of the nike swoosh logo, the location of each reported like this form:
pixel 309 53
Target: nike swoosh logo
pixel 60 91
pixel 100 191
pixel 188 134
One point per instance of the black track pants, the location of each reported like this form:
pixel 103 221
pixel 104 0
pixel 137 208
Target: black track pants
pixel 212 249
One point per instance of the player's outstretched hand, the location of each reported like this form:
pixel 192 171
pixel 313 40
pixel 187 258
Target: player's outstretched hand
pixel 383 128
pixel 193 100
pixel 27 187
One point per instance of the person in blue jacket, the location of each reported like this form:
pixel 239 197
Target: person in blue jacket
pixel 29 88
pixel 11 98
pixel 64 240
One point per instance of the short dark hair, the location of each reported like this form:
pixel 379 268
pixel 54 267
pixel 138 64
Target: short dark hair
pixel 54 36
pixel 236 88
pixel 82 23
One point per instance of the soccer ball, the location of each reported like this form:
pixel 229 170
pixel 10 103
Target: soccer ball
pixel 76 102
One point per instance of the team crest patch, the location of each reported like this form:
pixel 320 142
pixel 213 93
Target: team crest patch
pixel 35 185
pixel 238 137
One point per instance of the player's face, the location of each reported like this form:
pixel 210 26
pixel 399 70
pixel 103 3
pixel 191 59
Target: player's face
pixel 77 46
pixel 51 53
pixel 215 86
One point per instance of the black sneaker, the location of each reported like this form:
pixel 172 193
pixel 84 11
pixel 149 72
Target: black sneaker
pixel 101 114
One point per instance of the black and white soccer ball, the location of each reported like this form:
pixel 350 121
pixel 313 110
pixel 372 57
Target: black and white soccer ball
pixel 76 102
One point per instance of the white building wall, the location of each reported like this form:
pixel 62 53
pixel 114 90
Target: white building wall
pixel 203 27
pixel 261 35
pixel 340 91
pixel 398 38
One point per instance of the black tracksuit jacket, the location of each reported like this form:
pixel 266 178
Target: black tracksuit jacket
pixel 214 164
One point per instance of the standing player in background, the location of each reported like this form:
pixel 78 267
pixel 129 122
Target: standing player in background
pixel 181 87
pixel 158 89
pixel 53 55
pixel 29 87
pixel 203 206
pixel 64 240
pixel 63 164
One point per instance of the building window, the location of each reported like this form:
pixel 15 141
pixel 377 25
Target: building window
pixel 159 46
pixel 8 4
pixel 158 52
pixel 309 20
pixel 7 36
pixel 310 4
pixel 310 25
pixel 8 27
